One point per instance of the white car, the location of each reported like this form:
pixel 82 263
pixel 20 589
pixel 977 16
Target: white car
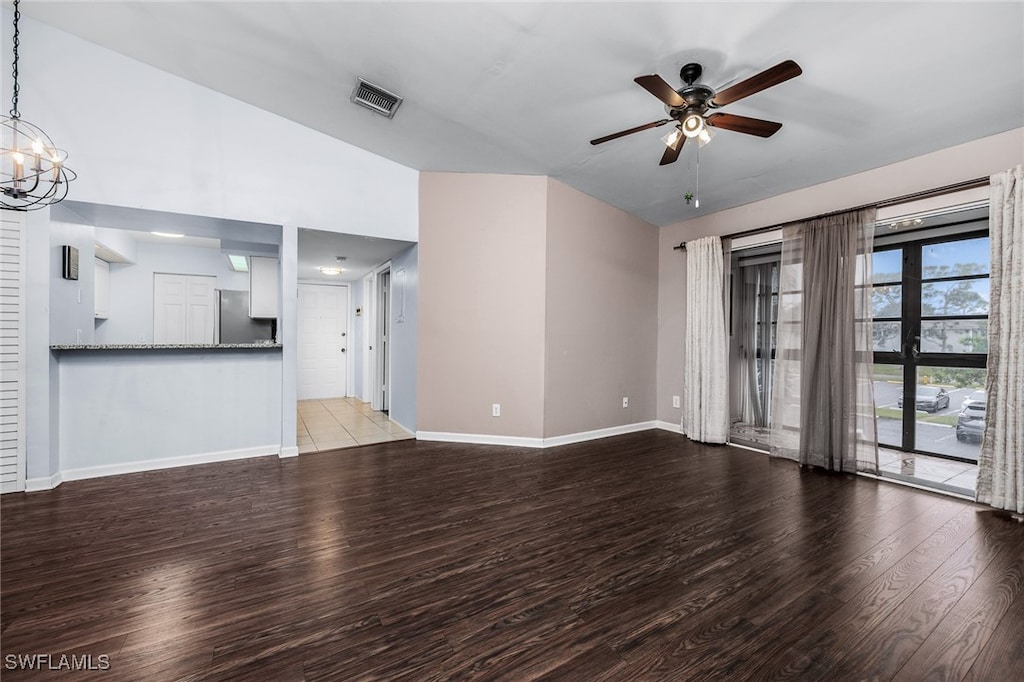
pixel 974 399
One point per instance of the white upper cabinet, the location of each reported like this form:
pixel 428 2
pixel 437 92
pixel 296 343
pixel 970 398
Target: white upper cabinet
pixel 102 289
pixel 264 287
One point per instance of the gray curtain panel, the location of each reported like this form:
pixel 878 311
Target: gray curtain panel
pixel 1001 460
pixel 823 398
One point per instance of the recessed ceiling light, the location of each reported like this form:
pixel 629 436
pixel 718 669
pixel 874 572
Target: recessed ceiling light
pixel 238 263
pixel 168 235
pixel 330 271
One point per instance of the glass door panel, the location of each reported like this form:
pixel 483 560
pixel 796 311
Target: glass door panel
pixel 930 303
pixel 950 411
pixel 888 385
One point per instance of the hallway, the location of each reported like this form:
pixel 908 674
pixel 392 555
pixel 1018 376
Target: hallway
pixel 335 423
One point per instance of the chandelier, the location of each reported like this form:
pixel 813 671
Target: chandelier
pixel 32 169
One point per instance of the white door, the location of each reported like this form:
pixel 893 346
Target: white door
pixel 184 308
pixel 201 304
pixel 323 341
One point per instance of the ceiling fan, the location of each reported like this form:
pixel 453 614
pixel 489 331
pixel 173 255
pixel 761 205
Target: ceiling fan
pixel 688 107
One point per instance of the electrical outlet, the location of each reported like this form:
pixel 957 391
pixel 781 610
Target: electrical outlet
pixel 625 402
pixel 496 410
pixel 675 401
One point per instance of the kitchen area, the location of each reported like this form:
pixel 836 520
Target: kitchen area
pixel 163 340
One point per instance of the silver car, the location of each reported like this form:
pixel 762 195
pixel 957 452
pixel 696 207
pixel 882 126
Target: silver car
pixel 970 423
pixel 976 397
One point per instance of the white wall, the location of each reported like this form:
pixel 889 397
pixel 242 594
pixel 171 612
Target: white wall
pixel 144 138
pixel 404 321
pixel 42 380
pixel 131 286
pixel 72 303
pixel 119 241
pixel 356 347
pixel 125 411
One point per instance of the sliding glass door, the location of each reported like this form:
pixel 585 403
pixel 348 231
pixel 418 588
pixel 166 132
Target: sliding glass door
pixel 755 305
pixel 930 306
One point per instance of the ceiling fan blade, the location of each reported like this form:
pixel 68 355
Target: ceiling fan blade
pixel 623 133
pixel 657 86
pixel 779 73
pixel 671 154
pixel 744 124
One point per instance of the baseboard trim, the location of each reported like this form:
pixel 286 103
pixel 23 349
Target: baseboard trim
pixel 669 426
pixel 168 463
pixel 479 439
pixel 748 447
pixel 524 442
pixel 43 483
pixel 291 451
pixel 584 436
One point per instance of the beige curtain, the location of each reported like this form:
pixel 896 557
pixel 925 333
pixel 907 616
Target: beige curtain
pixel 1001 461
pixel 705 415
pixel 823 399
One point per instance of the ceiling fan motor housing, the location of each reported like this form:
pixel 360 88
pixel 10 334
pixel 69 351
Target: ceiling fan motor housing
pixel 696 98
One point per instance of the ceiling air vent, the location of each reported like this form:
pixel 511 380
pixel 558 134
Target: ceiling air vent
pixel 376 98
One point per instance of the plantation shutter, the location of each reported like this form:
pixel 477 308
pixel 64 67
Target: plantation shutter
pixel 12 352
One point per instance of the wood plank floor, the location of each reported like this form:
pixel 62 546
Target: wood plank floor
pixel 639 557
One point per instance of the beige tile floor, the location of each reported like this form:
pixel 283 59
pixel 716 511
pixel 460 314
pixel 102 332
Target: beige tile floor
pixel 336 423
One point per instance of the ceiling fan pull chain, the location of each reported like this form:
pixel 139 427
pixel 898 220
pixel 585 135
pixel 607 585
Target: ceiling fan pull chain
pixel 696 194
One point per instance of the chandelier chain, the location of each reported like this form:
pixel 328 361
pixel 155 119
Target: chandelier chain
pixel 14 65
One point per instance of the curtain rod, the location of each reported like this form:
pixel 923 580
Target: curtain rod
pixel 925 194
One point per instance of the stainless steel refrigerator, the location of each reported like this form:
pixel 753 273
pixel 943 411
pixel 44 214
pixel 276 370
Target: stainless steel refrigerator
pixel 235 324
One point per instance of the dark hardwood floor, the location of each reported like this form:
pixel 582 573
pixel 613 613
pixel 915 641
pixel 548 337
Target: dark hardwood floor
pixel 631 558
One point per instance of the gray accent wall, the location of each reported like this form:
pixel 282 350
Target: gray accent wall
pixel 481 304
pixel 539 298
pixel 601 315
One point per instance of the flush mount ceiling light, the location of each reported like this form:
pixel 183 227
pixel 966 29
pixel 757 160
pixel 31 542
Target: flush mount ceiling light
pixel 33 173
pixel 168 235
pixel 330 270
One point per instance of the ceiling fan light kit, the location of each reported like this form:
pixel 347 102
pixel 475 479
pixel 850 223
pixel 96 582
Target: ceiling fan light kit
pixel 690 105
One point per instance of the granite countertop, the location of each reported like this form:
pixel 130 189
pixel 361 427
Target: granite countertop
pixel 167 346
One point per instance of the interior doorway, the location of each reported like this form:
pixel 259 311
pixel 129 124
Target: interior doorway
pixel 323 341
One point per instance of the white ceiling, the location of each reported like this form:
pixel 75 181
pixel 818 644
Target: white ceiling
pixel 523 87
pixel 362 254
